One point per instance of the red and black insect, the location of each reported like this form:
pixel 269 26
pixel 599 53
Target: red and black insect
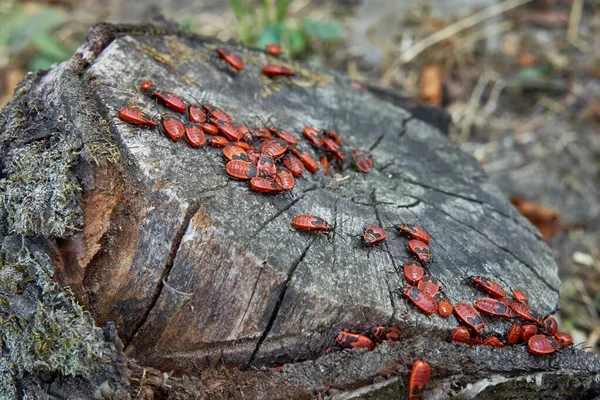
pixel 331 146
pixel 514 334
pixel 419 376
pixel 413 272
pixel 325 165
pixel 564 339
pixel 228 130
pixel 542 344
pixel 261 133
pixel 264 185
pixel 381 333
pixel 217 113
pixel 493 307
pixel 233 152
pixel 362 161
pixel 524 312
pixel 273 70
pixel 245 132
pixel 490 286
pixel 354 340
pixel 420 299
pixel 461 335
pixel 170 100
pixel 136 117
pixel 420 249
pixel 373 235
pixel 414 232
pixel 334 136
pixel 266 166
pixel 232 59
pixel 245 146
pixel 492 341
pixel 292 163
pixel 254 156
pixel 444 308
pixel 506 302
pixel 309 162
pixel 313 136
pixel 196 113
pixel 285 135
pixel 469 316
pixel 527 331
pixel 274 49
pixel 521 297
pixel 273 148
pixel 429 284
pixel 241 169
pixel 173 127
pixel 285 180
pixel 307 222
pixel 549 326
pixel 217 141
pixel 194 135
pixel 146 85
pixel 209 128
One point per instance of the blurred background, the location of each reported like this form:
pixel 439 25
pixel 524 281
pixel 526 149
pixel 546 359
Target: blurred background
pixel 520 78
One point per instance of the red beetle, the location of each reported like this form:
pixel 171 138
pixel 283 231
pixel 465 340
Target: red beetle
pixel 311 165
pixel 461 335
pixel 386 333
pixel 307 222
pixel 492 341
pixel 549 326
pixel 264 185
pixel 373 235
pixel 194 135
pixel 273 70
pixel 209 128
pixel 196 113
pixel 254 156
pixel 233 152
pixel 244 132
pixel 292 163
pixel 413 272
pixel 493 307
pixel 414 232
pixel 362 161
pixel 273 148
pixel 469 316
pixel 136 117
pixel 173 127
pixel 266 166
pixel 217 113
pixel 274 49
pixel 170 100
pixel 444 308
pixel 514 334
pixel 313 136
pixel 331 146
pixel 261 133
pixel 564 339
pixel 541 344
pixel 490 286
pixel 422 300
pixel 217 141
pixel 285 180
pixel 419 376
pixel 354 340
pixel 420 249
pixel 520 296
pixel 334 136
pixel 146 85
pixel 506 302
pixel 241 169
pixel 285 135
pixel 228 130
pixel 527 331
pixel 429 284
pixel 325 165
pixel 232 59
pixel 524 312
pixel 244 146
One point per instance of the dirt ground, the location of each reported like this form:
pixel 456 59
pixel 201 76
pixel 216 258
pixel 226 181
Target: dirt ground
pixel 521 80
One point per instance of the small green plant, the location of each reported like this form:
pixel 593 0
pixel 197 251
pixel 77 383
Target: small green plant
pixel 269 23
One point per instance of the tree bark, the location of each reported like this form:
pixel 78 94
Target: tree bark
pixel 198 273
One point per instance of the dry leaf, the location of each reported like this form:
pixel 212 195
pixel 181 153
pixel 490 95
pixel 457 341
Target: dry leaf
pixel 431 85
pixel 545 219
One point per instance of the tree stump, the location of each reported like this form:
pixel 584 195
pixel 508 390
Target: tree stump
pixel 198 272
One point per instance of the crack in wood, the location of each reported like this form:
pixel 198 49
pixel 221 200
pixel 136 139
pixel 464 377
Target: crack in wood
pixel 189 213
pixel 262 267
pixel 376 143
pixel 279 303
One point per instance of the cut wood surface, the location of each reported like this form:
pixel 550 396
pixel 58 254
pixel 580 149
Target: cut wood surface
pixel 197 271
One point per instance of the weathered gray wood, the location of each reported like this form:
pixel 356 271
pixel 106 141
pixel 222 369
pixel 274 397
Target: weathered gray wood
pixel 195 270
